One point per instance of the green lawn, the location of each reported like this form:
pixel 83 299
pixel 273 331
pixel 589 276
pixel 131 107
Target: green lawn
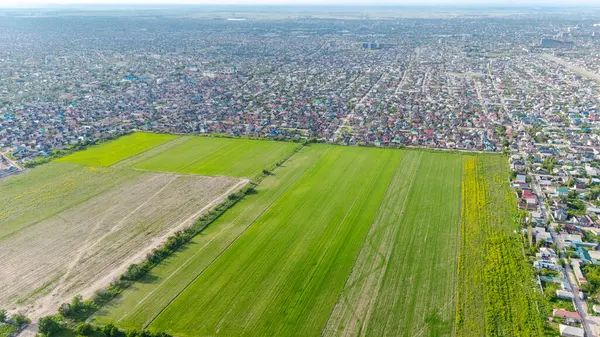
pixel 284 274
pixel 220 156
pixel 107 154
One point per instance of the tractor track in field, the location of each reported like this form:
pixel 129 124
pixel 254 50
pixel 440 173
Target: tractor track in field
pixel 381 262
pixel 92 241
pixel 150 321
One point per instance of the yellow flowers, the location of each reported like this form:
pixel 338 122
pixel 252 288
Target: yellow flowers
pixel 495 295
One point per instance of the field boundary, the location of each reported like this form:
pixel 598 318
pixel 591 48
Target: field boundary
pixel 173 243
pixel 235 240
pixel 366 242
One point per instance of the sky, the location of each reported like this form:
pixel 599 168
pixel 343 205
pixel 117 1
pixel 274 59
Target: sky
pixel 37 3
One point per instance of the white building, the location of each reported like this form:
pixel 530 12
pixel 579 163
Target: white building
pixel 570 331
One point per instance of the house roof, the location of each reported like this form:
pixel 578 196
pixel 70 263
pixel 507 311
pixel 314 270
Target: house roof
pixel 566 313
pixel 570 330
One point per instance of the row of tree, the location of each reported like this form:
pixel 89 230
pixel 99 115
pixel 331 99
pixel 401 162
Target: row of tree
pixel 53 325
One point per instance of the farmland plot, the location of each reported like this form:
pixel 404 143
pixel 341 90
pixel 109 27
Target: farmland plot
pixel 364 282
pixel 496 295
pixel 32 196
pixel 141 303
pixel 112 152
pixel 86 246
pixel 283 275
pixel 220 156
pixel 403 281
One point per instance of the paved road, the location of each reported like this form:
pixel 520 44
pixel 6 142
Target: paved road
pixel 572 67
pixel 535 184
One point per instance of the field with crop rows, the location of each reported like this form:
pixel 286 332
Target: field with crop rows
pixel 110 153
pixel 404 280
pixel 100 236
pixel 335 241
pixel 37 194
pixel 496 295
pixel 145 300
pixel 346 242
pixel 220 156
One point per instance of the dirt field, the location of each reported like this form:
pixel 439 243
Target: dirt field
pixel 84 247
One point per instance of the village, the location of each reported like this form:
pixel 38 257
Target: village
pixel 526 87
pixel 558 185
pixel 454 84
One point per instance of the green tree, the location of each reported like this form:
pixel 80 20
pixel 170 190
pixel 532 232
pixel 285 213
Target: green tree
pixel 84 329
pixel 49 326
pixel 110 330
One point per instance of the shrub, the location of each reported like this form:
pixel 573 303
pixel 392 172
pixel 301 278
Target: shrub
pixel 111 331
pixel 84 329
pixel 49 325
pixel 78 309
pixel 19 320
pixel 134 272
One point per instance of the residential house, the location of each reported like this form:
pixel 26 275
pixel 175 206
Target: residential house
pixel 578 274
pixel 564 295
pixel 559 215
pixel 544 238
pixel 562 191
pixel 569 316
pixel 570 331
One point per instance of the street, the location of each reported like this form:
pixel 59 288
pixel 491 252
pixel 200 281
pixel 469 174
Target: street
pixel 579 305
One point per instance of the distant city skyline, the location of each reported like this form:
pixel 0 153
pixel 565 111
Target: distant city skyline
pixel 30 3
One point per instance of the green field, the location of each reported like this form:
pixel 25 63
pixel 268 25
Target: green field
pixel 283 275
pixel 340 241
pixel 220 156
pixel 141 303
pixel 404 280
pixel 113 152
pixel 496 295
